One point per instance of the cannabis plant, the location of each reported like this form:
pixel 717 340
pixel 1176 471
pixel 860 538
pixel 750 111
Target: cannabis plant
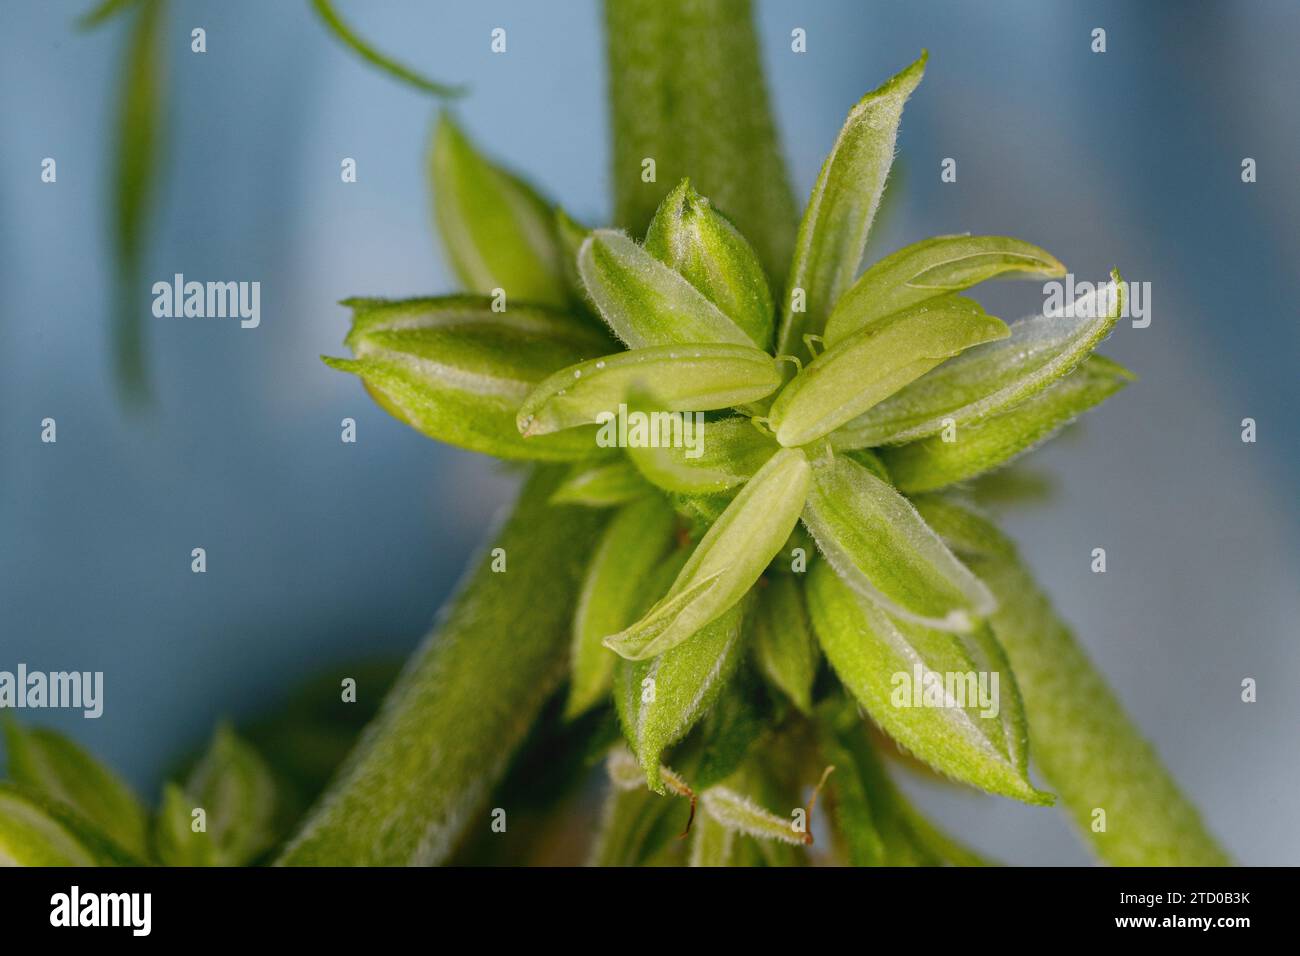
pixel 739 572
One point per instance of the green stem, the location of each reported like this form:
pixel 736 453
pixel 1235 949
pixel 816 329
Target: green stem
pixel 687 90
pixel 1085 744
pixel 465 702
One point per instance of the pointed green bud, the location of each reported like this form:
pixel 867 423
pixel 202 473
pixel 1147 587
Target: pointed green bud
pixel 644 301
pixel 694 239
pixel 456 370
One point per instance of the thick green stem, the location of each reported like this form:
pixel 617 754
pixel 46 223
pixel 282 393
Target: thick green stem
pixel 465 701
pixel 687 91
pixel 1089 750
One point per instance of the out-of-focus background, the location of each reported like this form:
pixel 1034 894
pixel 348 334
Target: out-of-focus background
pixel 319 551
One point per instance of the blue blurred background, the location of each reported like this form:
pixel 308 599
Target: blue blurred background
pixel 319 551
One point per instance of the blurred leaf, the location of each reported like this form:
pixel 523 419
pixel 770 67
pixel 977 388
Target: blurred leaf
pixel 931 268
pixel 695 240
pixel 672 378
pixel 986 379
pixel 345 34
pixel 733 450
pixel 837 220
pixel 686 90
pixel 879 659
pixel 728 733
pixel 602 484
pixel 102 12
pixel 882 549
pixel 932 463
pixel 136 173
pixel 660 699
pixel 423 768
pixel 37 831
pixel 874 363
pixel 176 843
pixel 47 762
pixel 235 788
pixel 727 561
pixel 644 301
pixel 783 642
pixel 457 371
pixel 497 231
pixel 614 592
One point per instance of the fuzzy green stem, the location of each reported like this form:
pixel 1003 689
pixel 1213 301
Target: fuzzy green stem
pixel 423 768
pixel 1085 744
pixel 687 91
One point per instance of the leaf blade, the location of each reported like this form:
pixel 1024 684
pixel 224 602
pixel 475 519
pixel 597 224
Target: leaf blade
pixel 932 463
pixel 883 550
pixel 933 267
pixel 869 650
pixel 727 561
pixel 50 763
pixel 990 378
pixel 838 217
pixel 874 363
pixel 671 378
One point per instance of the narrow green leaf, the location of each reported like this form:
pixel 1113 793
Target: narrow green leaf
pixel 695 240
pixel 49 763
pixel 740 814
pixel 931 268
pixel 613 593
pixel 457 371
pixel 497 231
pixel 37 831
pixel 686 91
pixel 733 450
pixel 644 301
pixel 990 378
pixel 602 484
pixel 424 767
pixel 1087 747
pixel 875 362
pixel 885 552
pixel 934 463
pixel 671 378
pixel 137 153
pixel 349 38
pixel 236 791
pixel 660 699
pixel 727 561
pixel 783 642
pixel 176 841
pixel 102 12
pixel 835 224
pixel 932 691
